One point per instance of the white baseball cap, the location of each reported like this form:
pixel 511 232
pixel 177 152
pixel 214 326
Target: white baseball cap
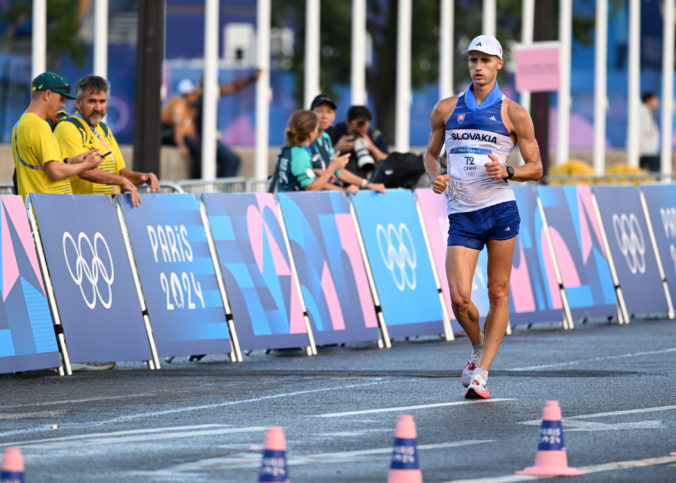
pixel 186 86
pixel 486 44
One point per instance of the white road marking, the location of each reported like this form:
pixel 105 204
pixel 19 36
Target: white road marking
pixel 589 426
pixel 253 459
pixel 131 417
pixel 594 359
pixel 76 401
pixel 33 414
pixel 570 419
pixel 408 408
pixel 613 466
pixel 132 436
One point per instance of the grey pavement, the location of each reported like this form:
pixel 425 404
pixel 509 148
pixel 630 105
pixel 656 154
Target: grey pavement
pixel 206 421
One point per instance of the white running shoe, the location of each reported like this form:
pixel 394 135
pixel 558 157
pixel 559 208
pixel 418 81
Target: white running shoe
pixel 467 372
pixel 477 388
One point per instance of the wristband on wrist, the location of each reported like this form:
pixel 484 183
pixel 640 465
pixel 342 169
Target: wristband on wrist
pixel 364 183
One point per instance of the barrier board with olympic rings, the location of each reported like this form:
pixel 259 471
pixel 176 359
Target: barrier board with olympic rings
pixel 330 267
pixel 578 247
pixel 257 271
pixel 91 275
pixel 401 267
pixel 661 203
pixel 177 274
pixel 435 222
pixel 631 249
pixel 27 340
pixel 534 294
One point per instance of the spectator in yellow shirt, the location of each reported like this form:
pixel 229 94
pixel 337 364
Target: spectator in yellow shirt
pixel 85 130
pixel 40 165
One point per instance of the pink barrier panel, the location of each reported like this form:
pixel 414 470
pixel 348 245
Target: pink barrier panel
pixel 435 221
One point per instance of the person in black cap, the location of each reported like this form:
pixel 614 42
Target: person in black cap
pixel 40 167
pixel 325 109
pixel 367 146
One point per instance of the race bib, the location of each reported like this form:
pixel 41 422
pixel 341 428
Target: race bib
pixel 468 162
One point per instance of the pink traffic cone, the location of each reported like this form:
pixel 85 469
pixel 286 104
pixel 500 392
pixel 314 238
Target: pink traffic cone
pixel 405 467
pixel 551 459
pixel 12 466
pixel 273 466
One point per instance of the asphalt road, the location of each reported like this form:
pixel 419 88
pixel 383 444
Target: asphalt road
pixel 206 421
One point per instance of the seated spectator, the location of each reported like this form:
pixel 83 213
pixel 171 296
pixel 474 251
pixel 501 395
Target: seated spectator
pixel 294 169
pixel 366 146
pixel 178 125
pixel 325 109
pixel 227 161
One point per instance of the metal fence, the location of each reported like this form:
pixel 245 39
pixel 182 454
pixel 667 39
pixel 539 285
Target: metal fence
pixel 165 187
pixel 615 178
pixel 6 188
pixel 254 185
pixel 218 185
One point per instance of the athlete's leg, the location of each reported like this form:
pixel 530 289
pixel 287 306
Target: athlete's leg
pixel 499 268
pixel 460 265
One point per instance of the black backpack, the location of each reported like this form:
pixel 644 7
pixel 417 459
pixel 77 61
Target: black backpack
pixel 399 170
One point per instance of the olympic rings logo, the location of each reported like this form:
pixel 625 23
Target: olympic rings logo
pixel 86 266
pixel 630 240
pixel 398 254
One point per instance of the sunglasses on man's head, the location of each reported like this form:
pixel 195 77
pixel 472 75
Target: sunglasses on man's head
pixel 63 86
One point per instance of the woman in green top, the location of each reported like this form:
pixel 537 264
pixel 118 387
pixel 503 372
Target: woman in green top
pixel 295 161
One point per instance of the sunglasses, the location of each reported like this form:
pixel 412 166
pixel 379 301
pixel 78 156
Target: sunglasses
pixel 62 86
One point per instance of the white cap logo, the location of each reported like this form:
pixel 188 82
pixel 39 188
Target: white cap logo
pixel 486 44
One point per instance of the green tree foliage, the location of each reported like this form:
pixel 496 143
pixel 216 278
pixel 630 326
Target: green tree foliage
pixel 63 25
pixel 382 29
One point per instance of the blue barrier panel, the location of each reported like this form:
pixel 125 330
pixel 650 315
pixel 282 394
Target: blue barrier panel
pixel 534 292
pixel 330 267
pixel 400 262
pixel 435 222
pixel 578 246
pixel 632 252
pixel 27 339
pixel 261 287
pixel 92 278
pixel 661 201
pixel 177 274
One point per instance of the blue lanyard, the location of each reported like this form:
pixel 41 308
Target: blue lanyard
pixel 93 129
pixel 16 149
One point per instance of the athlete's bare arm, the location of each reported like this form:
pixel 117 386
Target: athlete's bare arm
pixel 440 115
pixel 520 128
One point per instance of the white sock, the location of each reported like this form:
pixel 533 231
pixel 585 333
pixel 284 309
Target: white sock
pixel 482 372
pixel 478 350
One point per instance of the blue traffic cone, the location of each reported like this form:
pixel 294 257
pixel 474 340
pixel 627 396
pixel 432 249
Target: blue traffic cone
pixel 12 466
pixel 551 458
pixel 273 466
pixel 405 466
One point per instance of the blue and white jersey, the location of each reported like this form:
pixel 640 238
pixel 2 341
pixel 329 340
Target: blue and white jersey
pixel 472 133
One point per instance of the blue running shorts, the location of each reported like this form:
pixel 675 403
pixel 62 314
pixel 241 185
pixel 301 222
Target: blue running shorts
pixel 472 229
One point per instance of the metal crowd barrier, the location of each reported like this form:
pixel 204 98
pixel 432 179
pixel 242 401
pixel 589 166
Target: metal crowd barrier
pixel 254 185
pixel 613 178
pixel 6 189
pixel 218 185
pixel 165 187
